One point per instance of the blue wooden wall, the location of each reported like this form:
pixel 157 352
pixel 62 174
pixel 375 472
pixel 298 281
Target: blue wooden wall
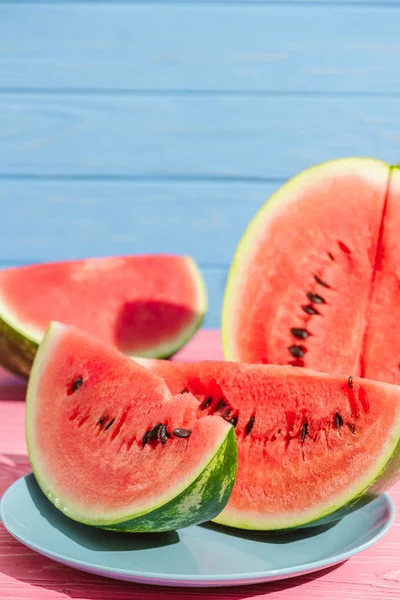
pixel 163 126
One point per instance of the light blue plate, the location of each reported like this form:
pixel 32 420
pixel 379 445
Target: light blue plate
pixel 206 555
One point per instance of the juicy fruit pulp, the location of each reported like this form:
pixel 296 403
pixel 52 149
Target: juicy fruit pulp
pixel 310 445
pixel 314 281
pixel 105 440
pixel 147 305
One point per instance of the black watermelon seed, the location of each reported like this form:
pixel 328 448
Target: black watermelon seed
pixel 206 403
pixel 181 433
pixel 102 420
pixel 233 421
pixel 310 310
pixel 279 430
pixel 226 413
pixel 153 433
pixel 315 298
pixel 331 256
pixel 184 391
pixel 162 434
pixel 297 351
pixel 221 404
pixel 321 281
pixel 77 384
pixel 249 425
pixel 352 427
pixel 304 432
pixel 338 421
pixel 301 334
pixel 109 424
pixel 350 382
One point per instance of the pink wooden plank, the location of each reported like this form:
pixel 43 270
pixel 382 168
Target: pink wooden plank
pixel 25 575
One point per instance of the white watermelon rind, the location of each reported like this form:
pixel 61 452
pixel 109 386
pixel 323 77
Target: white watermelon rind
pixel 281 199
pixel 198 497
pixel 19 342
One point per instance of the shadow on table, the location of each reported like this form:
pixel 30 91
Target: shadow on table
pixel 11 387
pixel 29 568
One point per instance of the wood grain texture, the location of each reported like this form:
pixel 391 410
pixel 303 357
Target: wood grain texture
pixel 153 136
pixel 340 47
pixel 25 575
pixel 73 219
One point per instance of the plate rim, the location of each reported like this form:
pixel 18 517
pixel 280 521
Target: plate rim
pixel 154 578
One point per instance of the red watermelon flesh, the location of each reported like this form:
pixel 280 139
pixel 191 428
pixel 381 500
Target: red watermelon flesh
pixel 314 280
pixel 96 448
pixel 381 359
pixel 309 444
pixel 148 305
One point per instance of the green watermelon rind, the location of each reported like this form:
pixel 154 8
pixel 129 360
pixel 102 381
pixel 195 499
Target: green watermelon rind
pixel 17 351
pixel 201 501
pixel 379 478
pixel 18 346
pixel 200 497
pixel 255 226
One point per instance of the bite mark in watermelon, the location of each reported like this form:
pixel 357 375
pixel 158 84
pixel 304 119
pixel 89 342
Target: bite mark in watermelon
pixel 311 446
pixel 314 281
pixel 101 442
pixel 149 305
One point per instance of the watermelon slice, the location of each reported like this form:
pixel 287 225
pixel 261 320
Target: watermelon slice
pixel 145 305
pixel 110 446
pixel 311 446
pixel 314 282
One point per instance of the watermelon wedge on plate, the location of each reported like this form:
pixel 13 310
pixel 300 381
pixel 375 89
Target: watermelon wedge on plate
pixel 149 305
pixel 315 278
pixel 311 446
pixel 111 447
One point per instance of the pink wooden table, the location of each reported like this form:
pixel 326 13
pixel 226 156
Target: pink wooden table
pixel 372 575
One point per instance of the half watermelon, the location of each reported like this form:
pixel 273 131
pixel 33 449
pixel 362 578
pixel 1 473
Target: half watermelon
pixel 311 447
pixel 110 446
pixel 315 280
pixel 145 305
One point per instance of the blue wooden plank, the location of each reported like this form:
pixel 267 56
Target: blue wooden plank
pixel 383 3
pixel 242 138
pixel 66 220
pixel 214 279
pixel 341 47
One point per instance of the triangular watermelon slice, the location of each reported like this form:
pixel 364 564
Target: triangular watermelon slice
pixel 111 447
pixel 148 305
pixel 311 446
